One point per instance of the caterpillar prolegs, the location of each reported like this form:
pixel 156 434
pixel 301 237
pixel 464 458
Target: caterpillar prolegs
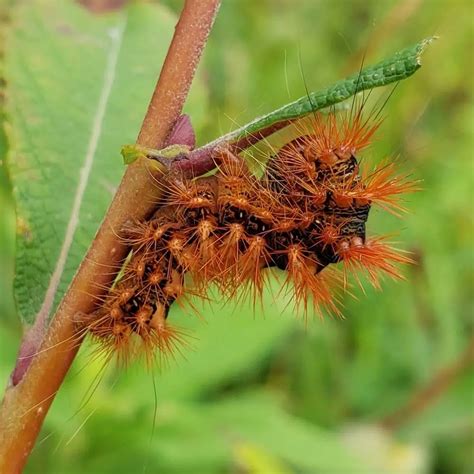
pixel 306 212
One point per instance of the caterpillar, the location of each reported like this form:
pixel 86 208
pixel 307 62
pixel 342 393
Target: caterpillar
pixel 305 213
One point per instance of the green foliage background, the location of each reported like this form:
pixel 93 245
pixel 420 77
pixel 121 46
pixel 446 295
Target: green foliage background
pixel 265 394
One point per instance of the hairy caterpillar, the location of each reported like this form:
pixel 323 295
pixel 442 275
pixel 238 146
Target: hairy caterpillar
pixel 306 212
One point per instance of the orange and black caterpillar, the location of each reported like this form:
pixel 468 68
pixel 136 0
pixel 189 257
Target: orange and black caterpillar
pixel 307 211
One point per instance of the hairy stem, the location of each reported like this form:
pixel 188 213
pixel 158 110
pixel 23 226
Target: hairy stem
pixel 25 405
pixel 201 161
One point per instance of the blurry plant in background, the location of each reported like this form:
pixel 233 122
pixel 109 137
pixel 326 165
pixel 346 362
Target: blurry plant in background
pixel 388 389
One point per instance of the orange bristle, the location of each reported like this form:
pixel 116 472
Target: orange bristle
pixel 308 287
pixel 385 187
pixel 228 273
pixel 344 135
pixel 372 257
pixel 255 258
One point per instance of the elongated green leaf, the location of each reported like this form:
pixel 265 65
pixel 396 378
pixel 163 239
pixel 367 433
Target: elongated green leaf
pixel 77 89
pixel 396 68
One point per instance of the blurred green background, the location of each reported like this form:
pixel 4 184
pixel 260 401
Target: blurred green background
pixel 264 394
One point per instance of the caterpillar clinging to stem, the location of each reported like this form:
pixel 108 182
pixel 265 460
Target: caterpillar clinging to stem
pixel 305 213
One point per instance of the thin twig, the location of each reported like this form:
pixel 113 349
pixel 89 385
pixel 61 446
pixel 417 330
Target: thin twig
pixel 25 405
pixel 201 160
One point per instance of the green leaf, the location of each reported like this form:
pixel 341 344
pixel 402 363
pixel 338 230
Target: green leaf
pixel 256 419
pixel 130 153
pixel 196 437
pixel 396 68
pixel 78 86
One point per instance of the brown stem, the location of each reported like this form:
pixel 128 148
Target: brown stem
pixel 428 394
pixel 25 405
pixel 201 161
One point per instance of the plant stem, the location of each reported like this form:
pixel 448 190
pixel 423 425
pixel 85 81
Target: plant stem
pixel 426 395
pixel 25 405
pixel 201 160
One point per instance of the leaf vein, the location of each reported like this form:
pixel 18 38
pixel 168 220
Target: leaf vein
pixel 116 37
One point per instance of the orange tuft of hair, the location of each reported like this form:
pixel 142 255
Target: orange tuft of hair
pixel 334 136
pixel 374 257
pixel 307 213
